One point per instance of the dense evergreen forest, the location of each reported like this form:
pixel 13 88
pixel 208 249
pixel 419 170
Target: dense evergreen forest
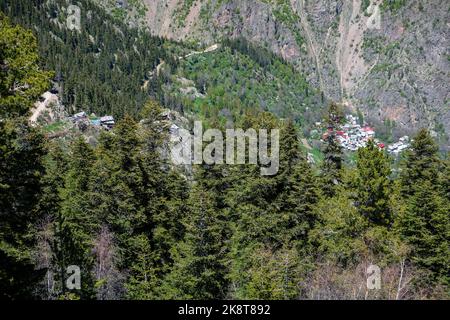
pixel 138 228
pixel 102 67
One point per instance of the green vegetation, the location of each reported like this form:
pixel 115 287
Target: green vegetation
pixel 22 149
pixel 182 12
pixel 102 67
pixel 238 78
pixel 331 172
pixel 283 13
pixel 393 5
pixel 365 5
pixel 139 229
pixel 55 127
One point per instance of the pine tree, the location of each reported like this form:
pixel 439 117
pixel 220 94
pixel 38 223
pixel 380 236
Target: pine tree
pixel 422 162
pixel 298 192
pixel 22 149
pixel 296 204
pixel 167 190
pixel 49 206
pixel 199 269
pixel 373 185
pixel 333 156
pixel 119 197
pixel 143 281
pixel 274 274
pixel 75 225
pixel 425 225
pixel 21 167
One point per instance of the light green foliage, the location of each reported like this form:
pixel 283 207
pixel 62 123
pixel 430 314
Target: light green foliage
pixel 22 80
pixel 241 79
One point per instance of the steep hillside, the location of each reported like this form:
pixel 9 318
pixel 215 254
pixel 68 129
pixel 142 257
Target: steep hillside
pixel 235 78
pixel 390 59
pixel 100 67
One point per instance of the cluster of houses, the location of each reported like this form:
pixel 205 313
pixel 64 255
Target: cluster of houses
pixel 353 136
pixel 106 122
pixel 399 146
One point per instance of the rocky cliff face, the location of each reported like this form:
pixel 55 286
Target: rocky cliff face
pixel 388 58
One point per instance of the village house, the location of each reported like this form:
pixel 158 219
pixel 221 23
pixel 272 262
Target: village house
pixel 399 146
pixel 107 122
pixel 77 117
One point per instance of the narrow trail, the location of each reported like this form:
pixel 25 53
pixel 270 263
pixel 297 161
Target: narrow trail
pixel 211 48
pixel 41 106
pixel 158 68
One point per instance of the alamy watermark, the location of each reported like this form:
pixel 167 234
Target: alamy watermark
pixel 74 280
pixel 374 277
pixel 241 147
pixel 374 20
pixel 73 20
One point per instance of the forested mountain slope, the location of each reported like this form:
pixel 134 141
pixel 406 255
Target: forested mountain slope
pixel 100 68
pixel 137 227
pixel 239 77
pixel 390 59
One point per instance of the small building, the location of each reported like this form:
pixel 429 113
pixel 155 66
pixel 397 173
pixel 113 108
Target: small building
pixel 78 116
pixel 107 121
pixel 95 122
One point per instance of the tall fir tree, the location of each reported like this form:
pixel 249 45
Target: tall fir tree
pixel 75 224
pixel 425 224
pixel 199 269
pixel 22 149
pixel 333 156
pixel 373 185
pixel 298 190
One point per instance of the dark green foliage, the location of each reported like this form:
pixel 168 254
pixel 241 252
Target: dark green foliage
pixel 22 149
pixel 241 77
pixel 100 68
pixel 393 5
pixel 139 229
pixel 199 268
pixel 425 224
pixel 333 155
pixel 299 190
pixel 274 217
pixel 373 186
pixel 75 224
